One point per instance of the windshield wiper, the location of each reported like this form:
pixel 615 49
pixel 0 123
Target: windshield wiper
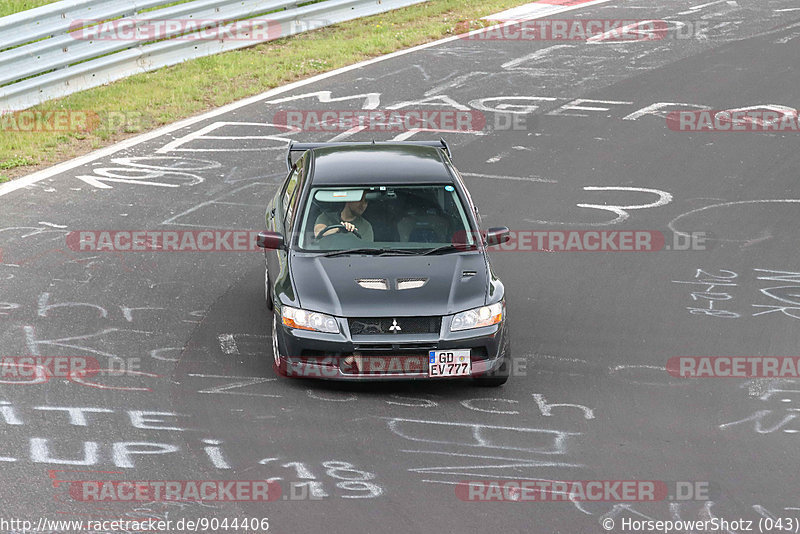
pixel 370 251
pixel 373 252
pixel 447 248
pixel 397 251
pixel 400 251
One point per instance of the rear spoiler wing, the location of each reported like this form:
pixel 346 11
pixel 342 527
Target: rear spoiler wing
pixel 302 147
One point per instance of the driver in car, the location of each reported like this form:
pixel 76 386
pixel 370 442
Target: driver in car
pixel 350 217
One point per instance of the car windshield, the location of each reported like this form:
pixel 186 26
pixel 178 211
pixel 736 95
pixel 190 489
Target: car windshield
pixel 370 219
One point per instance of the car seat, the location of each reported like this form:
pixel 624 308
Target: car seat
pixel 422 225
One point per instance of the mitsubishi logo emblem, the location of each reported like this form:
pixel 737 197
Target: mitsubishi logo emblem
pixel 395 327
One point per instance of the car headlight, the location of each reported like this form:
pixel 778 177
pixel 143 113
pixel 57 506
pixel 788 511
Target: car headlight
pixel 308 320
pixel 477 317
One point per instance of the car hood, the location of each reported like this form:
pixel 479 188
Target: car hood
pixel 455 282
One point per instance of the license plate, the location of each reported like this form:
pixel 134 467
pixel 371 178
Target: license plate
pixel 444 363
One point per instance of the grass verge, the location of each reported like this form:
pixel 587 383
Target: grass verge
pixel 9 7
pixel 150 100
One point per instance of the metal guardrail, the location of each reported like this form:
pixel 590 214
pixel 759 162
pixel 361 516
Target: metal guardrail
pixel 44 55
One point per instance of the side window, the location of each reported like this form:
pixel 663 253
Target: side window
pixel 291 197
pixel 278 200
pixel 289 190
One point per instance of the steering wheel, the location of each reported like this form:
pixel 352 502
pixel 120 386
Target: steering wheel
pixel 331 227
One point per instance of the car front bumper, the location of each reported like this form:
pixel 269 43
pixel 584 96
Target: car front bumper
pixel 307 354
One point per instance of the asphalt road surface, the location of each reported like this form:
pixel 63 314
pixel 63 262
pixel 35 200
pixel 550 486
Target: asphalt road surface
pixel 590 398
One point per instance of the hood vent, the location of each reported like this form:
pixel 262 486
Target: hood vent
pixel 411 283
pixel 373 283
pixel 467 274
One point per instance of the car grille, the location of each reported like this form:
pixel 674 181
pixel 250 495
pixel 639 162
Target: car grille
pixel 371 326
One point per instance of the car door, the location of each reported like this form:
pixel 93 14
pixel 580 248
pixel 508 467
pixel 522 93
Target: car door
pixel 280 215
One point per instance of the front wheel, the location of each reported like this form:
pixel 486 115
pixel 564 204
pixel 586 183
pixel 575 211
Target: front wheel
pixel 276 355
pixel 499 375
pixel 494 378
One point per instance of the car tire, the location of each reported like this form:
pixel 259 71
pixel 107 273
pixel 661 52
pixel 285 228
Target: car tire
pixel 498 376
pixel 494 378
pixel 275 350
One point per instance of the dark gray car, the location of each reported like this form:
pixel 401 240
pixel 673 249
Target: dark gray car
pixel 377 268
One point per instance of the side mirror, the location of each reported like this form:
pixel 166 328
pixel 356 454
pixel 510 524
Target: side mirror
pixel 497 235
pixel 271 241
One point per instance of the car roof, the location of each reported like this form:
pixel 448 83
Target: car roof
pixel 378 164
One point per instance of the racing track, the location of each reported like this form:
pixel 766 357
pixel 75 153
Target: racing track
pixel 592 331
